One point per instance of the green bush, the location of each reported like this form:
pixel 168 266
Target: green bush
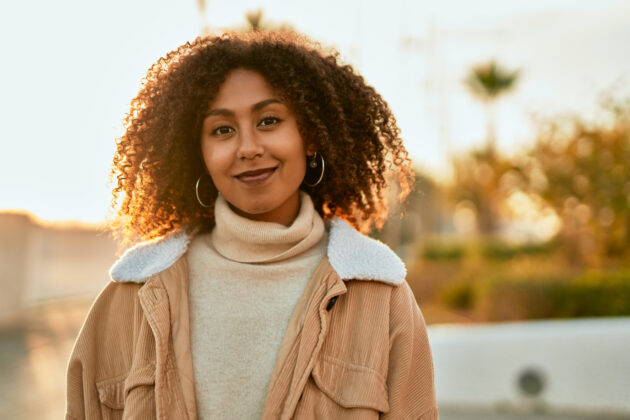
pixel 590 294
pixel 538 248
pixel 496 249
pixel 443 250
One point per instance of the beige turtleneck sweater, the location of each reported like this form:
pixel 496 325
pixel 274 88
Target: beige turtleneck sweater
pixel 245 280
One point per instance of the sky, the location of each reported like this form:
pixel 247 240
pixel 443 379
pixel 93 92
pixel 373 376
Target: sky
pixel 70 68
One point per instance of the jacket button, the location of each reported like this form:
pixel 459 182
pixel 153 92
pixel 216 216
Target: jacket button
pixel 331 302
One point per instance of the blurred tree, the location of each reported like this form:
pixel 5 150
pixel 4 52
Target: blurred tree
pixel 477 175
pixel 488 82
pixel 582 170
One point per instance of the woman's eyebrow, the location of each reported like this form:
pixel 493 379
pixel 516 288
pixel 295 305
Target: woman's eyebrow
pixel 256 107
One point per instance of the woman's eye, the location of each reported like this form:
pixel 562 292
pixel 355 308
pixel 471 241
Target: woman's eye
pixel 224 129
pixel 268 121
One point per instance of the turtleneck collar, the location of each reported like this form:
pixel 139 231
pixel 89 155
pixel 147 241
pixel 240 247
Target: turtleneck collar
pixel 248 241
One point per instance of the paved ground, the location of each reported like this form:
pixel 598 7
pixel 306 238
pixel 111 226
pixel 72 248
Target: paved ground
pixel 33 358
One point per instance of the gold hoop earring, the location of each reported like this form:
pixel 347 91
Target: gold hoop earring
pixel 313 164
pixel 197 192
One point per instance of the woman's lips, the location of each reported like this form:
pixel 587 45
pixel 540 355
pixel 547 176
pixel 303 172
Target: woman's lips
pixel 256 177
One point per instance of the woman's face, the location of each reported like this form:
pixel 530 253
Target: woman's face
pixel 253 149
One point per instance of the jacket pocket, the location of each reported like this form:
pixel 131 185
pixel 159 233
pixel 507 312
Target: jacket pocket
pixel 340 390
pixel 128 394
pixel 111 393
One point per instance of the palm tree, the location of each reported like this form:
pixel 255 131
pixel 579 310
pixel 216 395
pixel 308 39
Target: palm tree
pixel 487 82
pixel 254 19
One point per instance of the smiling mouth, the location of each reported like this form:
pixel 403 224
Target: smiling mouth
pixel 256 177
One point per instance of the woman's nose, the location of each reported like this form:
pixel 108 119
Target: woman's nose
pixel 249 145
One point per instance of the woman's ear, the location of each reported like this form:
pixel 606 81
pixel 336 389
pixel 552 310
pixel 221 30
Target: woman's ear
pixel 310 150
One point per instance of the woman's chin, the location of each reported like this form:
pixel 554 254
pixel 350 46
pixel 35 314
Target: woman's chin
pixel 254 211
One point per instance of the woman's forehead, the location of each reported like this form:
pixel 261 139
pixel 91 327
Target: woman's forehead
pixel 244 88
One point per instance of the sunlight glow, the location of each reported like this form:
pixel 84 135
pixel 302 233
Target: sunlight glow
pixel 531 218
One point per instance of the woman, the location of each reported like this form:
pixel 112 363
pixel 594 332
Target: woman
pixel 247 165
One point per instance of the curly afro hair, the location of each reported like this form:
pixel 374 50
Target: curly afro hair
pixel 158 158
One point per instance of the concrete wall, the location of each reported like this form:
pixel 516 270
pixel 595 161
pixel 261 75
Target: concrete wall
pixel 578 366
pixel 40 262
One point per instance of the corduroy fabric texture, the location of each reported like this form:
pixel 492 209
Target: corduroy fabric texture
pixel 124 364
pixel 365 357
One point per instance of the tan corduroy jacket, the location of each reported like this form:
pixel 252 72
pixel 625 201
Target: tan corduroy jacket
pixel 356 346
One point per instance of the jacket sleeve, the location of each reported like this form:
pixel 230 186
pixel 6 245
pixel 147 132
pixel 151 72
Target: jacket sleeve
pixel 410 378
pixel 91 358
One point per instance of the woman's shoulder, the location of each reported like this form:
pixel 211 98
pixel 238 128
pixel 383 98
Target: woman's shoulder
pixel 109 323
pixel 115 302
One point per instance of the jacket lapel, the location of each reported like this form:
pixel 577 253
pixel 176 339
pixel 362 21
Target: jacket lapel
pixel 154 300
pixel 175 282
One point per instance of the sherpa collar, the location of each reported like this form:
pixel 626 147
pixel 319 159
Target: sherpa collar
pixel 351 254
